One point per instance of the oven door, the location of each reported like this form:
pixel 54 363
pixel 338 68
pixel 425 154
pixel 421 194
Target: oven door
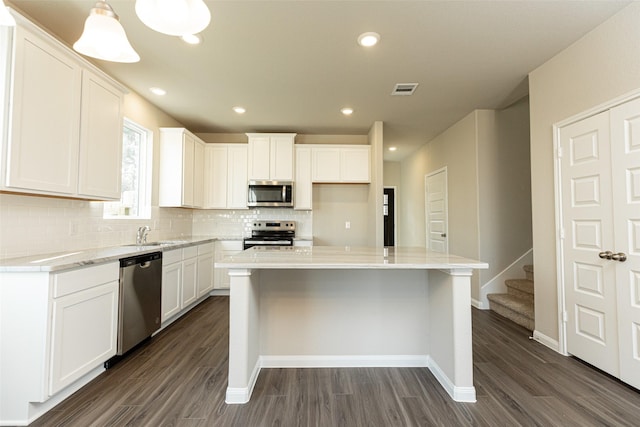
pixel 261 241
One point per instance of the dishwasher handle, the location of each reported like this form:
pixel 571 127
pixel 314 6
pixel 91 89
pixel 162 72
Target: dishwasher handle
pixel 143 260
pixel 144 264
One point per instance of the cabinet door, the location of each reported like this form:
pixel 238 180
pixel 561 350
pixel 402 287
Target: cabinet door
pixel 302 185
pixel 259 158
pixel 198 174
pixel 281 160
pixel 325 165
pixel 188 156
pixel 100 167
pixel 355 164
pixel 189 281
pixel 205 274
pixel 171 289
pixel 237 177
pixel 216 173
pixel 45 121
pixel 84 333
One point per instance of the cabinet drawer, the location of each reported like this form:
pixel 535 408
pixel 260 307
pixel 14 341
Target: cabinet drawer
pixel 190 252
pixel 171 257
pixel 84 278
pixel 206 248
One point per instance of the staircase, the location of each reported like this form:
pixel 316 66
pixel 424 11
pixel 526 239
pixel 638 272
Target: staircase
pixel 517 304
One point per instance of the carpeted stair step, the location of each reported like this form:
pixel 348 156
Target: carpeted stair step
pixel 528 270
pixel 516 309
pixel 521 288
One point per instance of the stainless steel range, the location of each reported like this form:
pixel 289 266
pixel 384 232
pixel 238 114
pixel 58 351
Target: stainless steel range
pixel 271 233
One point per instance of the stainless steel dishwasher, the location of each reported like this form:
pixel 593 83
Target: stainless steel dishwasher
pixel 140 299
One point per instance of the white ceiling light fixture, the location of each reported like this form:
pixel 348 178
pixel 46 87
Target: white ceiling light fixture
pixel 193 39
pixel 174 17
pixel 6 20
pixel 393 148
pixel 239 110
pixel 368 39
pixel 104 38
pixel 158 91
pixel 347 111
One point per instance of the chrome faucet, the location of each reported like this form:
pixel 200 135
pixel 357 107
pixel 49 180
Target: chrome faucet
pixel 141 237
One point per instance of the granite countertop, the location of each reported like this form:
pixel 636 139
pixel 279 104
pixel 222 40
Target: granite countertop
pixel 344 257
pixel 73 259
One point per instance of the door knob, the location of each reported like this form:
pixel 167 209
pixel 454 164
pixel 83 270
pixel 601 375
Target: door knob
pixel 443 235
pixel 620 256
pixel 606 255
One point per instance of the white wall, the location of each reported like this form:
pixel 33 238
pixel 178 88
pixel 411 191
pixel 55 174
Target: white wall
pixel 603 65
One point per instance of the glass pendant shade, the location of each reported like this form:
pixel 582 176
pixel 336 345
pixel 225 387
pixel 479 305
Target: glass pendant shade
pixel 104 38
pixel 174 17
pixel 6 20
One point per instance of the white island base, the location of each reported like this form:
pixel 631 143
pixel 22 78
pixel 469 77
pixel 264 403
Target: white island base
pixel 350 307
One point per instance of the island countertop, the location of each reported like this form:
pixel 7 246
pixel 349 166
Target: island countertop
pixel 345 257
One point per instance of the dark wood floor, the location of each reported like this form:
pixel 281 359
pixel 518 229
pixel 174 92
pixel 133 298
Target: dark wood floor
pixel 180 377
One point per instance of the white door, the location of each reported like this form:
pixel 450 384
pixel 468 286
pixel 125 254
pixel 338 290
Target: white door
pixel 589 280
pixel 625 154
pixel 436 210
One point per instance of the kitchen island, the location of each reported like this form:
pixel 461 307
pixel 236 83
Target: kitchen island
pixel 326 306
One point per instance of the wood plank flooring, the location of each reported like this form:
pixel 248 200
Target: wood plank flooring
pixel 180 377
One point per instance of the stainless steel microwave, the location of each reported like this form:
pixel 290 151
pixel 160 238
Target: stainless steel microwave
pixel 275 194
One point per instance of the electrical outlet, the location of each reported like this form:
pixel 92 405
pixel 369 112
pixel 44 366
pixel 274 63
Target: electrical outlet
pixel 347 225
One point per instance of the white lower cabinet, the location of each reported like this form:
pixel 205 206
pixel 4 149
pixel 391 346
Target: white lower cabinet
pixel 224 248
pixel 205 268
pixel 56 329
pixel 84 333
pixel 187 277
pixel 171 283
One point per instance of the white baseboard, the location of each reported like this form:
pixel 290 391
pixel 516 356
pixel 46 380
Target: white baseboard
pixel 240 395
pixel 389 361
pixel 546 341
pixel 459 394
pixel 219 292
pixel 479 305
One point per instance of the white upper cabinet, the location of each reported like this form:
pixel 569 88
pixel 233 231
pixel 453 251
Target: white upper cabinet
pixel 303 186
pixel 61 121
pixel 271 156
pixel 100 138
pixel 181 169
pixel 340 163
pixel 225 184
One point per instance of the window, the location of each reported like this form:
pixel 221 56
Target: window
pixel 135 201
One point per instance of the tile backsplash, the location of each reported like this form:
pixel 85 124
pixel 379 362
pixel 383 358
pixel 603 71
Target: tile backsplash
pixel 37 225
pixel 31 225
pixel 230 223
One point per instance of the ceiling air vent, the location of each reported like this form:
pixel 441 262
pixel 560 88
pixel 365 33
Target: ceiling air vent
pixel 404 89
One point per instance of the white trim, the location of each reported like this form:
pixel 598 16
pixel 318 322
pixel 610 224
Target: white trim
pixel 547 341
pixel 459 394
pixel 497 283
pixel 479 304
pixel 557 172
pixel 240 395
pixel 395 361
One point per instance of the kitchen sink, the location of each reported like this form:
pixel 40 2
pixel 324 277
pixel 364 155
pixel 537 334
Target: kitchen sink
pixel 160 243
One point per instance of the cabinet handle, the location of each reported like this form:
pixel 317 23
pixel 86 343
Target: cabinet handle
pixel 606 255
pixel 620 256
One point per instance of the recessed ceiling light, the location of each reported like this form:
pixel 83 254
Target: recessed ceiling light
pixel 158 91
pixel 347 111
pixel 191 39
pixel 239 110
pixel 393 148
pixel 368 39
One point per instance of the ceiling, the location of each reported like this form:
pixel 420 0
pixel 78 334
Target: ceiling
pixel 294 64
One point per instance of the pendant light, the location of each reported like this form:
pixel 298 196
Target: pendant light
pixel 174 17
pixel 6 20
pixel 104 38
